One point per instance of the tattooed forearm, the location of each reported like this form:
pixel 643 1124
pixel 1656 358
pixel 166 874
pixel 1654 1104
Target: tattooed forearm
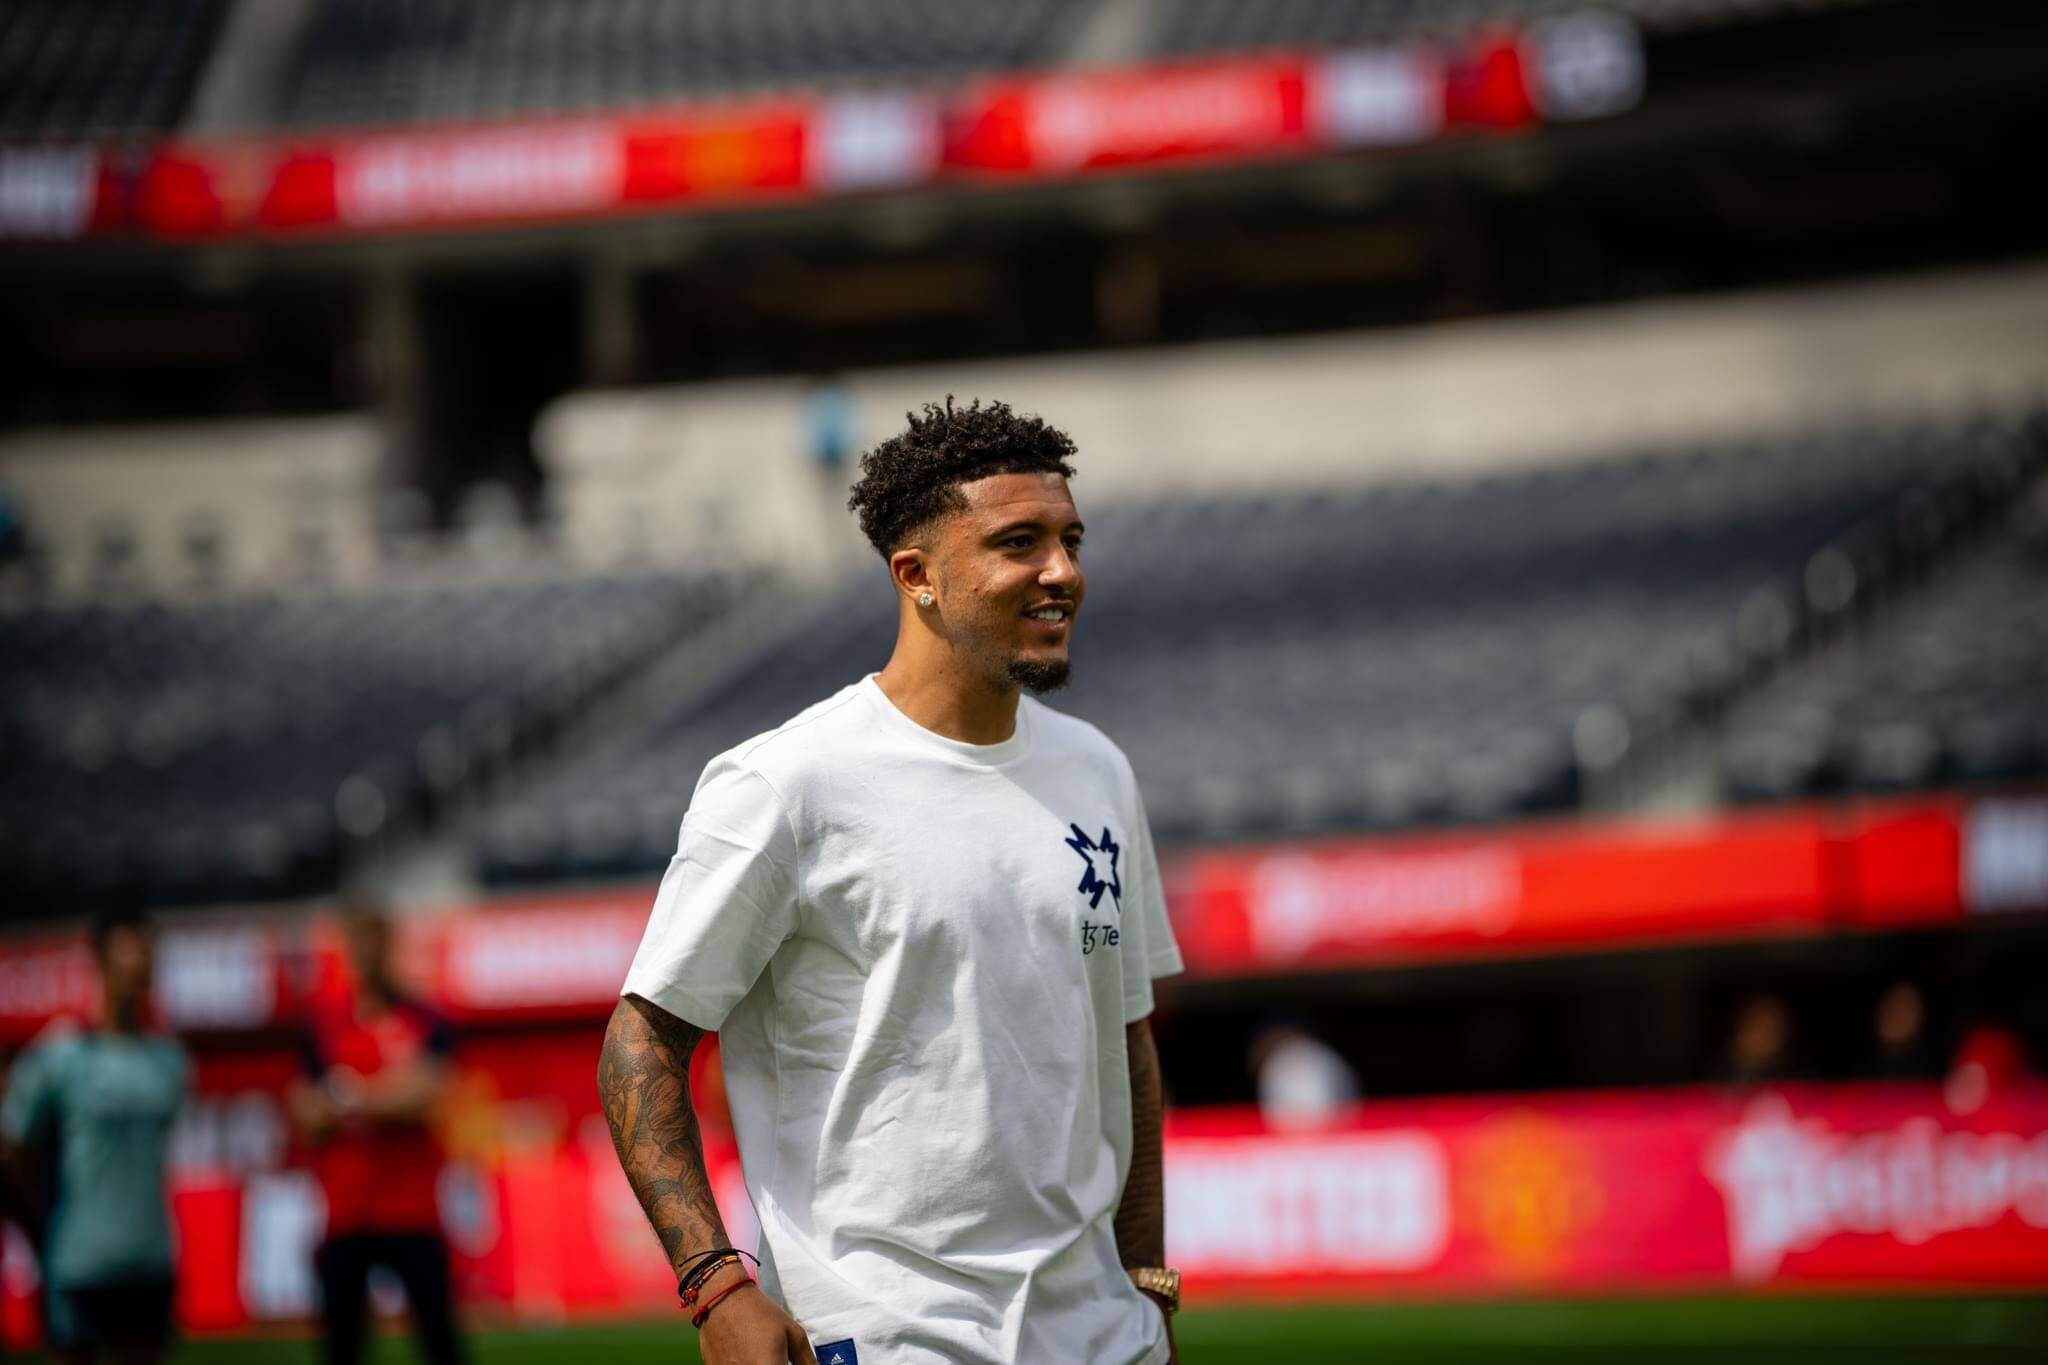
pixel 643 1079
pixel 1141 1217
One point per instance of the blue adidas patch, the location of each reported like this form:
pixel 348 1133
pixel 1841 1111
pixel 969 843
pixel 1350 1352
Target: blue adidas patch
pixel 838 1353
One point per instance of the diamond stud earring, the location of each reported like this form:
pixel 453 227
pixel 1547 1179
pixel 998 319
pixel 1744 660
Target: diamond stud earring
pixel 924 599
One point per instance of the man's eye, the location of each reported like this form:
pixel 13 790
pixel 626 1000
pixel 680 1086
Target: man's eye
pixel 1019 541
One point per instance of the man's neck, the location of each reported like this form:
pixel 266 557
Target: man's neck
pixel 934 689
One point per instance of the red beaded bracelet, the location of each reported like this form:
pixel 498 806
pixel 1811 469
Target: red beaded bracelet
pixel 697 1320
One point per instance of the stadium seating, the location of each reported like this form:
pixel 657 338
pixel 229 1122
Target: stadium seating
pixel 394 61
pixel 1189 26
pixel 104 71
pixel 1951 687
pixel 222 750
pixel 1392 657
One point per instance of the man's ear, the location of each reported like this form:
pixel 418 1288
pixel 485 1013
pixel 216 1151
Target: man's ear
pixel 910 569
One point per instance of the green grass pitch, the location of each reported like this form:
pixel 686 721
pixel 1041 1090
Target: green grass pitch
pixel 1753 1331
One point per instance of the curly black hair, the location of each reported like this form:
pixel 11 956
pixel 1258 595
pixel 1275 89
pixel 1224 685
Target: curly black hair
pixel 912 479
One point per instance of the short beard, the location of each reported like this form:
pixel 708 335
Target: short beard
pixel 1039 678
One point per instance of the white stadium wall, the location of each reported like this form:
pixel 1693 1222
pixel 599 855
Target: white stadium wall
pixel 721 471
pixel 725 466
pixel 271 489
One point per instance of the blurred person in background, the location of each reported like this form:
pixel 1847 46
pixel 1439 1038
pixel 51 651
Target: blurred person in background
pixel 83 1132
pixel 1898 1024
pixel 828 424
pixel 1990 1061
pixel 376 1065
pixel 925 916
pixel 1303 1081
pixel 1760 1044
pixel 13 539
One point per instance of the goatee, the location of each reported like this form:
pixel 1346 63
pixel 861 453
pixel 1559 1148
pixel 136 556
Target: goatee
pixel 1036 678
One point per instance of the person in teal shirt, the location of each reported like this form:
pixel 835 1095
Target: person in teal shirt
pixel 83 1130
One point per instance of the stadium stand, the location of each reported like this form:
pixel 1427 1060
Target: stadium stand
pixel 398 61
pixel 225 749
pixel 1191 26
pixel 106 71
pixel 1948 689
pixel 1404 655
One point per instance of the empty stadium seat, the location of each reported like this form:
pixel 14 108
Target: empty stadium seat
pixel 1950 687
pixel 104 71
pixel 223 750
pixel 1386 658
pixel 1190 26
pixel 397 61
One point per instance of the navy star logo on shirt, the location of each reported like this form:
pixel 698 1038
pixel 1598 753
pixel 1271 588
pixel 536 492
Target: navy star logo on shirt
pixel 1093 883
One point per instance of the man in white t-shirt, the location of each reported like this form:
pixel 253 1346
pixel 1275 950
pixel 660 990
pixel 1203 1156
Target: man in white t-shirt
pixel 924 916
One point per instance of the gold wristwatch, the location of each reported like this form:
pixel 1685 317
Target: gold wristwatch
pixel 1161 1280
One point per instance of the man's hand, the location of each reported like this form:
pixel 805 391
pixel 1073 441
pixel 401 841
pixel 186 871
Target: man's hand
pixel 1141 1213
pixel 1172 1349
pixel 310 1110
pixel 643 1077
pixel 404 1095
pixel 749 1328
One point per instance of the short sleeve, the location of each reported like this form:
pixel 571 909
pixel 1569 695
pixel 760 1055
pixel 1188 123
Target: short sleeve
pixel 1149 948
pixel 30 1105
pixel 726 903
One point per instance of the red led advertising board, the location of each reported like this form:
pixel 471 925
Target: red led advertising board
pixel 1027 126
pixel 1596 1193
pixel 1317 905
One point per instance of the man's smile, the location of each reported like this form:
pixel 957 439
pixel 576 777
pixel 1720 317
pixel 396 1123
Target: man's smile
pixel 1051 619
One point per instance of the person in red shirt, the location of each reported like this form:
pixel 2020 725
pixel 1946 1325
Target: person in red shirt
pixel 376 1065
pixel 1989 1062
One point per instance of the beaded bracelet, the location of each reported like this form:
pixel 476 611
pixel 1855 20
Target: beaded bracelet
pixel 701 1267
pixel 689 1261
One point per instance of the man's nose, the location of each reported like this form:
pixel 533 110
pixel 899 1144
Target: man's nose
pixel 1060 568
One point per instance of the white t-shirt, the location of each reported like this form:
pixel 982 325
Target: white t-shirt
pixel 920 956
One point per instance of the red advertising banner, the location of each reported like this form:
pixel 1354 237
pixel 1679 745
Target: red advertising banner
pixel 1812 1185
pixel 1340 903
pixel 1042 126
pixel 1866 1186
pixel 527 960
pixel 1058 125
pixel 1353 902
pixel 561 955
pixel 43 977
pixel 218 976
pixel 1902 863
pixel 478 175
